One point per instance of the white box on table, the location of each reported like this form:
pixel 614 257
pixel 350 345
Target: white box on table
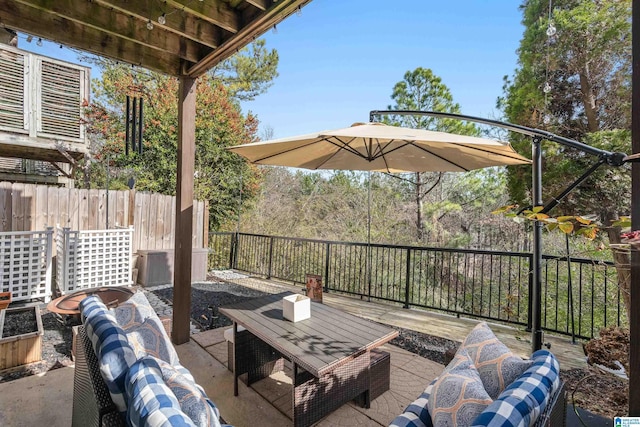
pixel 296 307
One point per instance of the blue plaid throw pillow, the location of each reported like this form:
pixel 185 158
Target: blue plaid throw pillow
pixel 151 401
pixel 110 345
pixel 522 402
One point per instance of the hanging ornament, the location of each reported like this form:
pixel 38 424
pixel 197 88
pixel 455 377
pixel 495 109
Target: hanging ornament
pixel 546 88
pixel 134 121
pixel 149 25
pixel 162 19
pixel 551 30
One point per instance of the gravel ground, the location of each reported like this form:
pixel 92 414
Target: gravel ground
pixel 597 392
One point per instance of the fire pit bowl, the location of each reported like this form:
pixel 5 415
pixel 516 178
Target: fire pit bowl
pixel 110 296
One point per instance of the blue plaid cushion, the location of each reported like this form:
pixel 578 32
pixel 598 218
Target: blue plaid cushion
pixel 151 401
pixel 407 419
pixel 110 345
pixel 522 402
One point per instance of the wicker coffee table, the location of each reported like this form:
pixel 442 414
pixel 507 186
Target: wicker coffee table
pixel 330 353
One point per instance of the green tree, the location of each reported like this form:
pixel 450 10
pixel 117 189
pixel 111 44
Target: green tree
pixel 422 90
pixel 581 54
pixel 220 175
pixel 249 73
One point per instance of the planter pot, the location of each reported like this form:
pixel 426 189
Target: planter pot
pixel 20 336
pixel 5 300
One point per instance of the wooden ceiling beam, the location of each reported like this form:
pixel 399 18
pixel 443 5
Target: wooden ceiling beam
pixel 118 25
pixel 253 29
pixel 217 12
pixel 185 25
pixel 21 17
pixel 260 4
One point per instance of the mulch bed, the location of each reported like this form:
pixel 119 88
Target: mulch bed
pixel 19 322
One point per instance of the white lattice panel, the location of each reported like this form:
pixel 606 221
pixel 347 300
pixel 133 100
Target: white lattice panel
pixel 87 259
pixel 26 264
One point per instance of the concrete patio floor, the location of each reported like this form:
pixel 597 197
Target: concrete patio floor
pixel 271 397
pixel 47 399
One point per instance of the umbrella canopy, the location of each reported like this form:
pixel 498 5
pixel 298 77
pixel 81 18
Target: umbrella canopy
pixel 383 148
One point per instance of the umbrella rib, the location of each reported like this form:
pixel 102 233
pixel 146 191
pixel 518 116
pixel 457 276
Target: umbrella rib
pixel 345 146
pixel 491 152
pixel 438 156
pixel 285 151
pixel 382 153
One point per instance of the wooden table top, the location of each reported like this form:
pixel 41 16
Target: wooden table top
pixel 319 344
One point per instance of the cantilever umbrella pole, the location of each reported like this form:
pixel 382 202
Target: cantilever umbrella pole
pixel 611 158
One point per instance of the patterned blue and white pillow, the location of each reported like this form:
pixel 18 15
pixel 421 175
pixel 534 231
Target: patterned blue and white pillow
pixel 522 402
pixel 497 365
pixel 111 346
pixel 458 396
pixel 192 398
pixel 151 401
pixel 144 329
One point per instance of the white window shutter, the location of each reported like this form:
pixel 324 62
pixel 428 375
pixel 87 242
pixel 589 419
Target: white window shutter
pixel 60 100
pixel 12 91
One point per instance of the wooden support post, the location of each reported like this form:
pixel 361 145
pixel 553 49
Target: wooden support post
pixel 184 210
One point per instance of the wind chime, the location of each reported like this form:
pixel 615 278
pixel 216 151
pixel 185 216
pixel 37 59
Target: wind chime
pixel 134 120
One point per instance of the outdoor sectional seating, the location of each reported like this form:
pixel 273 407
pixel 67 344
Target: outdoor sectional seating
pixel 487 385
pixel 128 373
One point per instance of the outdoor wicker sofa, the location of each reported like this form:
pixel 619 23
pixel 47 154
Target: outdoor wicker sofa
pixel 487 385
pixel 128 373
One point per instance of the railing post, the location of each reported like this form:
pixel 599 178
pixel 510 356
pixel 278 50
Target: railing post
pixel 407 279
pixel 234 252
pixel 529 299
pixel 326 267
pixel 270 257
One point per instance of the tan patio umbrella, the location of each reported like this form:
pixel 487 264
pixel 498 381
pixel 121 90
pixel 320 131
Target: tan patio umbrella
pixel 383 148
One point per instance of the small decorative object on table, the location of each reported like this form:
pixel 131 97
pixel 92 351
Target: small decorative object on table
pixel 5 300
pixel 296 307
pixel 314 287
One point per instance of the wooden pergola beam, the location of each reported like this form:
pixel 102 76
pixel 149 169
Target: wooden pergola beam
pixel 218 13
pixel 260 4
pixel 256 26
pixel 119 25
pixel 70 33
pixel 183 24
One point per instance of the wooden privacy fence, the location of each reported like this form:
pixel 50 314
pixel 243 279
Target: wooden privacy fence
pixel 25 264
pixel 30 207
pixel 93 258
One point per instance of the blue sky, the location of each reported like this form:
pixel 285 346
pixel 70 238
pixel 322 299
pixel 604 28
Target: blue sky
pixel 339 59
